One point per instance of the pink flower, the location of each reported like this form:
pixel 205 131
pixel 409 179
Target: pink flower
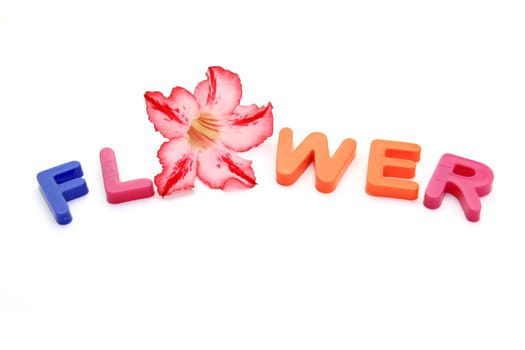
pixel 205 129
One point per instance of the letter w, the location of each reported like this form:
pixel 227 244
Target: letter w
pixel 292 163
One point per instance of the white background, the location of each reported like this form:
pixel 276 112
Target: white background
pixel 271 267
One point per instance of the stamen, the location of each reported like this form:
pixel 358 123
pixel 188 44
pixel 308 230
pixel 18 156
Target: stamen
pixel 203 131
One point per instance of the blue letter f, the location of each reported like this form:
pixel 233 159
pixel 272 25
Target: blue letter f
pixel 61 184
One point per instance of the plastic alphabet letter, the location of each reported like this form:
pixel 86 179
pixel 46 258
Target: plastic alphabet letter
pixel 60 185
pixel 465 179
pixel 328 170
pixel 119 192
pixel 389 160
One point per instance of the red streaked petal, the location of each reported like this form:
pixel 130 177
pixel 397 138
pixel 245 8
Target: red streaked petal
pixel 220 93
pixel 179 167
pixel 171 115
pixel 216 166
pixel 248 127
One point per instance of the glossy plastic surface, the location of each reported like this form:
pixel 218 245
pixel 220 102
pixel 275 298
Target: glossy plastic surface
pixel 61 184
pixel 291 163
pixel 465 179
pixel 117 191
pixel 389 163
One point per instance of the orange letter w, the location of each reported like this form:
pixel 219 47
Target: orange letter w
pixel 328 170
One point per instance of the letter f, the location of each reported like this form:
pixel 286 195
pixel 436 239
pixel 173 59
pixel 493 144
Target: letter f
pixel 60 185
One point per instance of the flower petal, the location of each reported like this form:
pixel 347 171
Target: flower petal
pixel 220 93
pixel 171 116
pixel 216 166
pixel 248 127
pixel 179 167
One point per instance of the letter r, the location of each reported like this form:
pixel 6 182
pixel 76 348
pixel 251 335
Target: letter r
pixel 61 184
pixel 465 179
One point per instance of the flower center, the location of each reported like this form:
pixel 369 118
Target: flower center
pixel 203 131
